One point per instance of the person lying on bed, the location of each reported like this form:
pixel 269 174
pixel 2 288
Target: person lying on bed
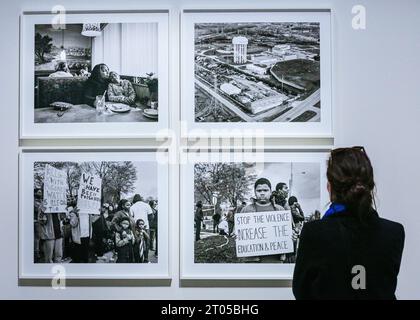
pixel 120 90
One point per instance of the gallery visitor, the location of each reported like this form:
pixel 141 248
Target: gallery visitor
pixel 124 241
pixel 351 253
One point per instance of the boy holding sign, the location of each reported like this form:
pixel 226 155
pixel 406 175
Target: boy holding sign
pixel 262 203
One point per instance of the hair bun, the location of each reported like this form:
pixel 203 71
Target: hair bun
pixel 358 188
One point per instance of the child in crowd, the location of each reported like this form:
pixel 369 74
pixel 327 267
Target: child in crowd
pixel 124 242
pixel 141 238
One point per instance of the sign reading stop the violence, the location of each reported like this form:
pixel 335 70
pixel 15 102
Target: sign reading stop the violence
pixel 89 195
pixel 263 233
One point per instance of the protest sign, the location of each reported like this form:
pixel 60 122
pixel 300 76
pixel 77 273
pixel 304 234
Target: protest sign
pixel 263 233
pixel 55 190
pixel 89 195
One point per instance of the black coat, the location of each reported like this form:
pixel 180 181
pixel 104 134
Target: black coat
pixel 330 248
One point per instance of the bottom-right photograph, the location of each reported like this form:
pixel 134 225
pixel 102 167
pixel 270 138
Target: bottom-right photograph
pixel 243 213
pixel 253 212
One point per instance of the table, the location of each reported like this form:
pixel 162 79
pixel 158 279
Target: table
pixel 86 113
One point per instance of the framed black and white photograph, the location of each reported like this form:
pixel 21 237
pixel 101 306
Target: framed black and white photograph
pixel 98 215
pixel 267 71
pixel 242 213
pixel 94 74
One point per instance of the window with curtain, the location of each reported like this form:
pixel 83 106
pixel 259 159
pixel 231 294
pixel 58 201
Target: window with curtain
pixel 131 49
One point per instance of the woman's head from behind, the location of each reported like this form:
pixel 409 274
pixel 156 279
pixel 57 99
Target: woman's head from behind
pixel 62 66
pixel 350 180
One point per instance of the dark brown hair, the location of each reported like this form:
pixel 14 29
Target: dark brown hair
pixel 350 175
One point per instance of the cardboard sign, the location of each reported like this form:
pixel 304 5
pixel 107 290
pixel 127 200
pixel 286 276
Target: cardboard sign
pixel 263 233
pixel 55 190
pixel 89 195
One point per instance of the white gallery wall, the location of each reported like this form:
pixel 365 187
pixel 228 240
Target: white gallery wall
pixel 376 103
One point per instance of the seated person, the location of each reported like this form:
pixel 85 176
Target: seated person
pixel 61 70
pixel 120 90
pixel 96 84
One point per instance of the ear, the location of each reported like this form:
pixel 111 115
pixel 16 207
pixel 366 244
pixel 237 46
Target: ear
pixel 330 191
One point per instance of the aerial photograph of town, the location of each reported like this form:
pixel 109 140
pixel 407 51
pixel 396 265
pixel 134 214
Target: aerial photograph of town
pixel 257 72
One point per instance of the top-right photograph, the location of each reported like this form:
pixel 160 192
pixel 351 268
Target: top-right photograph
pixel 257 72
pixel 269 70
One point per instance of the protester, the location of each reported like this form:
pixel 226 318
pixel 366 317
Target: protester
pixel 111 212
pixel 224 227
pixel 350 234
pixel 123 211
pixel 153 224
pixel 198 219
pixel 97 83
pixel 38 197
pixel 142 237
pixel 281 194
pixel 263 202
pixel 239 209
pixel 120 90
pixel 296 210
pixel 230 218
pixel 124 241
pixel 81 234
pixel 141 210
pixel 102 235
pixel 51 235
pixel 61 71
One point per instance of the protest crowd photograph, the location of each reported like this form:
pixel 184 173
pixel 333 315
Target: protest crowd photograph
pixel 253 212
pixel 95 212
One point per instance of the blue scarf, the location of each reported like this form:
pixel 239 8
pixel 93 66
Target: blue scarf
pixel 334 208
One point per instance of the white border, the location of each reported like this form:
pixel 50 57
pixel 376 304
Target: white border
pixel 322 129
pixel 235 271
pixel 30 270
pixel 31 130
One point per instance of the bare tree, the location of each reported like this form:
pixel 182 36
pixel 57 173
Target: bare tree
pixel 229 180
pixel 43 45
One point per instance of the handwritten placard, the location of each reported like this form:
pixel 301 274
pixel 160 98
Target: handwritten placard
pixel 89 195
pixel 263 233
pixel 55 190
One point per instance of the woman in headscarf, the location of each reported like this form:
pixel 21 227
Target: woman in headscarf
pixel 123 212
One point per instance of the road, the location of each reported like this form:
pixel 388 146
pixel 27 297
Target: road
pixel 224 101
pixel 290 84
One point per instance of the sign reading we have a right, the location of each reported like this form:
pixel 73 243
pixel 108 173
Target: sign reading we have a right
pixel 89 195
pixel 263 233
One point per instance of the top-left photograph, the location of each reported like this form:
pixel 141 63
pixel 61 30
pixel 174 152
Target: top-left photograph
pixel 94 75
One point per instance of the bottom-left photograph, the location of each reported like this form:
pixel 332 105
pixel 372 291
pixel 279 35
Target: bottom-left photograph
pixel 97 214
